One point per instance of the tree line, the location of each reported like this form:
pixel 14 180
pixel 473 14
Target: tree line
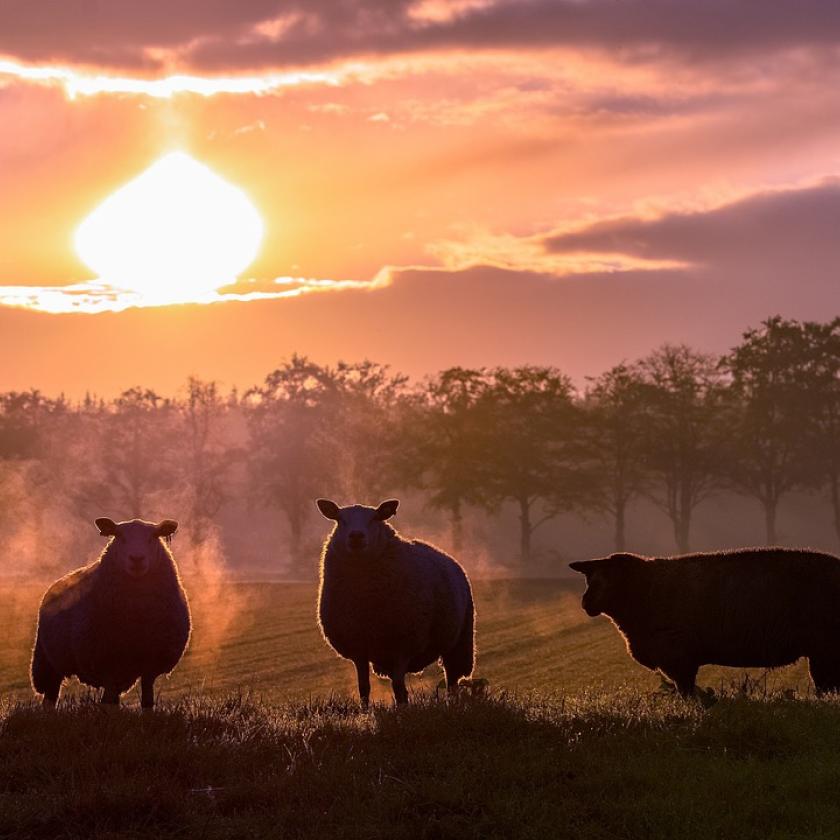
pixel 674 427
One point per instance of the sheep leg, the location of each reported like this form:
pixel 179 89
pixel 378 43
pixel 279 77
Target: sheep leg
pixel 110 696
pixel 147 692
pixel 825 674
pixel 45 679
pixel 398 685
pixel 459 661
pixel 363 677
pixel 684 676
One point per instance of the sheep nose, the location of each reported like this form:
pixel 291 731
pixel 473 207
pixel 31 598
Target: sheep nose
pixel 136 559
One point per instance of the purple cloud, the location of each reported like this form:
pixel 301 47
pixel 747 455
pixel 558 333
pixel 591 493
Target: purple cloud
pixel 219 35
pixel 795 230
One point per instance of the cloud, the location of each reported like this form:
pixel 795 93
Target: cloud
pixel 785 238
pixel 493 299
pixel 87 84
pixel 480 247
pixel 219 36
pixel 94 297
pixel 795 229
pixel 688 30
pixel 424 320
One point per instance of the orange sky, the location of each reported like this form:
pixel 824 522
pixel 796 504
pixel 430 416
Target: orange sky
pixel 568 182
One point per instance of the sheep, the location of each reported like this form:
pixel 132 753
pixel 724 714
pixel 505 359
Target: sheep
pixel 122 617
pixel 750 607
pixel 396 604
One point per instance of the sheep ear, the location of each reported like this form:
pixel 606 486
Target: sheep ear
pixel 166 528
pixel 387 509
pixel 328 509
pixel 582 566
pixel 107 527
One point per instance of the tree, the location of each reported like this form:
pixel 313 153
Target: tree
pixel 683 393
pixel 292 443
pixel 23 415
pixel 527 423
pixel 822 405
pixel 29 425
pixel 367 397
pixel 440 440
pixel 123 454
pixel 317 430
pixel 206 457
pixel 772 374
pixel 615 431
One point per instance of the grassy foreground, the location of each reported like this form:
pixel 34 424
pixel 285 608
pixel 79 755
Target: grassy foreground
pixel 612 765
pixel 573 740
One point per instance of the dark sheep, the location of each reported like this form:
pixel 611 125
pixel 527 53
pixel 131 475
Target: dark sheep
pixel 122 618
pixel 747 608
pixel 396 604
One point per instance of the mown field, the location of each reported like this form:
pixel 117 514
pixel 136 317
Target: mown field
pixel 262 638
pixel 258 735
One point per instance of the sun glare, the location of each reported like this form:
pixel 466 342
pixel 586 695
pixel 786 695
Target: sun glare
pixel 173 234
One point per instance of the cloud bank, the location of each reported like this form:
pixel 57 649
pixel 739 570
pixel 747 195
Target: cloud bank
pixel 214 35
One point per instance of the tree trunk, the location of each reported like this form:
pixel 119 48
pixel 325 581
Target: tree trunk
pixel 620 540
pixel 682 520
pixel 295 539
pixel 770 521
pixel 525 532
pixel 834 484
pixel 457 522
pixel 682 529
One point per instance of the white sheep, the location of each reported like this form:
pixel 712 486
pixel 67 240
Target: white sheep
pixel 396 604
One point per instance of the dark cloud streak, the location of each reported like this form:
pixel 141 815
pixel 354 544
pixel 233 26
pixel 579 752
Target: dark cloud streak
pixel 218 35
pixel 786 228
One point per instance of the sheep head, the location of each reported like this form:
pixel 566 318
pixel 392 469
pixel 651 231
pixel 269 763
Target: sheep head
pixel 605 580
pixel 136 546
pixel 360 531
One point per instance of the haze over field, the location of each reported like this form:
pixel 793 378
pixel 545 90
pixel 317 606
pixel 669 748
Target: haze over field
pixel 556 182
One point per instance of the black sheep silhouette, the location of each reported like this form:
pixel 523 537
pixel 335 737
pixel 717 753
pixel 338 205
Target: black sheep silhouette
pixel 752 607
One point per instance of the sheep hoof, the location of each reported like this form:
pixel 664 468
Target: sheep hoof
pixel 666 687
pixel 475 686
pixel 706 697
pixel 471 687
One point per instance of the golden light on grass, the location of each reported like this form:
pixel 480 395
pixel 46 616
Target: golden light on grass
pixel 174 234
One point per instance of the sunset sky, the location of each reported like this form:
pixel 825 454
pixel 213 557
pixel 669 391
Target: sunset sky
pixel 471 182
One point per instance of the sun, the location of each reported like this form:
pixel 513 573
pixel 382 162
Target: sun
pixel 175 233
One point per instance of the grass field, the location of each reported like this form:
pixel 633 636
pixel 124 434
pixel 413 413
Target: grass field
pixel 262 638
pixel 258 735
